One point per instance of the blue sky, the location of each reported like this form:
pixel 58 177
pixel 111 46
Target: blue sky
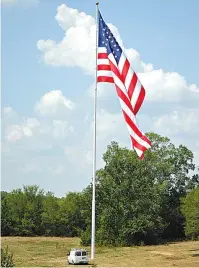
pixel 163 33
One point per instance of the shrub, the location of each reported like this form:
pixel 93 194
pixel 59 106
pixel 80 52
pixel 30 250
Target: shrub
pixel 6 258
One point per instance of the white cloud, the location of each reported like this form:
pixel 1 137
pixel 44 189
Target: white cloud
pixel 108 125
pixel 78 45
pixel 77 48
pixel 135 59
pixel 53 107
pixel 7 110
pixel 179 122
pixel 167 86
pixel 54 102
pixel 69 17
pixel 60 129
pixel 34 146
pixel 104 91
pixel 9 114
pixel 32 127
pixel 15 132
pixel 181 126
pixel 32 123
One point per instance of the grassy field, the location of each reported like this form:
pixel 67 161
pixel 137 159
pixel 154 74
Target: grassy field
pixel 51 252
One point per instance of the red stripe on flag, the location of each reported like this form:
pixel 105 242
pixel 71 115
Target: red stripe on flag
pixel 138 145
pixel 115 70
pixel 119 91
pixel 132 85
pixel 147 140
pixel 102 56
pixel 133 126
pixel 104 67
pixel 125 99
pixel 107 79
pixel 125 70
pixel 139 100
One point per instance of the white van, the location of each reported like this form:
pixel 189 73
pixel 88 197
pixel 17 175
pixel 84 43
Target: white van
pixel 77 256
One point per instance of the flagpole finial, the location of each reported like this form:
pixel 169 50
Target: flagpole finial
pixel 97 3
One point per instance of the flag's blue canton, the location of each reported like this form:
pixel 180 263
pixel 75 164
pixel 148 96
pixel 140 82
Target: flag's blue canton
pixel 106 39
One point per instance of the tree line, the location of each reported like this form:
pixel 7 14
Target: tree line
pixel 137 202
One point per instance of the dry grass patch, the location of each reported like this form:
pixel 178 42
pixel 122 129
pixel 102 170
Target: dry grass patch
pixel 51 252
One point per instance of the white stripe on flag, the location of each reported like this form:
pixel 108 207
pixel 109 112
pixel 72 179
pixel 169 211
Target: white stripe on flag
pixel 104 73
pixel 136 93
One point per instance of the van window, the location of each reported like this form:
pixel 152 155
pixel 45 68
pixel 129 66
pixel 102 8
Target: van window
pixel 78 253
pixel 83 253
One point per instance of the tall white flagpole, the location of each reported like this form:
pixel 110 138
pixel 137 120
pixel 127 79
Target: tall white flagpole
pixel 94 147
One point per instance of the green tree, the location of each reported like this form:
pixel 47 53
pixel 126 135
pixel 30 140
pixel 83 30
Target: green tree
pixel 50 217
pixel 130 201
pixel 71 214
pixel 32 220
pixel 6 224
pixel 190 210
pixel 138 201
pixel 23 210
pixel 171 165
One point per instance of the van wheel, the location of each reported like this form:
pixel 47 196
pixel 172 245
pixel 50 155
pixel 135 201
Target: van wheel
pixel 73 263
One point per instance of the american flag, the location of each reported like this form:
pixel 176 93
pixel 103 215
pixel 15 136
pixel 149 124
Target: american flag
pixel 114 67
